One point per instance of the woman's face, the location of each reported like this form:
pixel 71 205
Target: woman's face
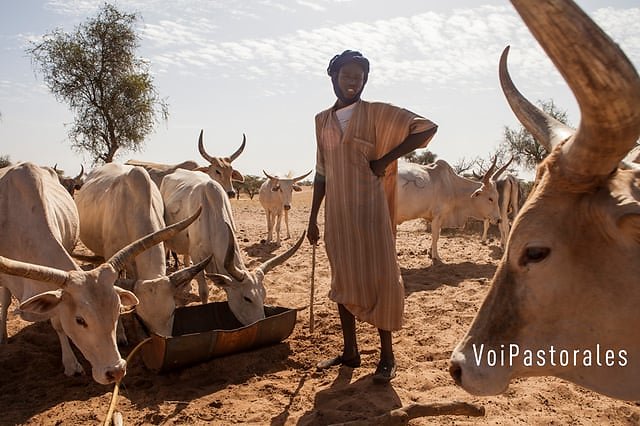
pixel 350 80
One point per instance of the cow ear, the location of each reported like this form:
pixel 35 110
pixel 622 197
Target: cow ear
pixel 236 175
pixel 476 193
pixel 220 280
pixel 44 304
pixel 296 188
pixel 127 299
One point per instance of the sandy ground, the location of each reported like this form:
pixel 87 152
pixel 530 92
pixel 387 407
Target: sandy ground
pixel 279 385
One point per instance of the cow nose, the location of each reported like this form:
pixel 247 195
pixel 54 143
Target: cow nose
pixel 115 374
pixel 456 372
pixel 231 194
pixel 499 220
pixel 287 207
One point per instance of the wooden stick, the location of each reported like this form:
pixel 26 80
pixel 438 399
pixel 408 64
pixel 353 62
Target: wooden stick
pixel 116 389
pixel 401 416
pixel 313 279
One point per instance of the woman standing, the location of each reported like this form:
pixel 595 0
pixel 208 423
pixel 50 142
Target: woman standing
pixel 358 143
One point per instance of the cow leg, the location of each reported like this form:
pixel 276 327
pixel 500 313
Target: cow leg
pixel 485 230
pixel 71 365
pixel 203 288
pixel 435 235
pixel 269 225
pixel 286 222
pixel 278 221
pixel 5 301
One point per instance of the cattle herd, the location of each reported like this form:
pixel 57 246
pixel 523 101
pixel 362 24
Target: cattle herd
pixel 567 277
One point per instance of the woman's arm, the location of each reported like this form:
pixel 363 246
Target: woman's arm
pixel 411 143
pixel 313 232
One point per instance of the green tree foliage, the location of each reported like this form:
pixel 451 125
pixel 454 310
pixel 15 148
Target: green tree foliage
pixel 421 157
pixel 95 70
pixel 520 144
pixel 251 185
pixel 4 161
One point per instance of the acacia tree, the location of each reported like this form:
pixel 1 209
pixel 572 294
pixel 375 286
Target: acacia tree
pixel 421 157
pixel 95 70
pixel 520 144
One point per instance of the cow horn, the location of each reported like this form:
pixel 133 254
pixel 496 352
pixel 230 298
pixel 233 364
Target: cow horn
pixel 545 129
pixel 501 170
pixel 187 274
pixel 489 173
pixel 239 151
pixel 269 176
pixel 130 251
pixel 229 265
pixel 275 261
pixel 204 154
pixel 603 80
pixel 33 272
pixel 80 174
pixel 299 178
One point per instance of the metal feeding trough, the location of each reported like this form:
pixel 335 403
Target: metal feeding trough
pixel 202 332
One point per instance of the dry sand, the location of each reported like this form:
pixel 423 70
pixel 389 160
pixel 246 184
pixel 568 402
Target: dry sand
pixel 279 385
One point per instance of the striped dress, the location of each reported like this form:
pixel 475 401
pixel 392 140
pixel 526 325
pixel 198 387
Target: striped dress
pixel 360 208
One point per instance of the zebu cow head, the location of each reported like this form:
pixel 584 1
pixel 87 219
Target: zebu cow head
pixel 71 184
pixel 485 198
pixel 569 278
pixel 88 303
pixel 245 289
pixel 157 297
pixel 220 169
pixel 284 187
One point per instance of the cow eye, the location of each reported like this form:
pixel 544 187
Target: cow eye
pixel 490 200
pixel 534 255
pixel 218 172
pixel 81 322
pixel 246 299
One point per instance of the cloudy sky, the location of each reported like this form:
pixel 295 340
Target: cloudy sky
pixel 258 67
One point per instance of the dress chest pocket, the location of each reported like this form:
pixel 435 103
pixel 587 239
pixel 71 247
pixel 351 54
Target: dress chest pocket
pixel 364 147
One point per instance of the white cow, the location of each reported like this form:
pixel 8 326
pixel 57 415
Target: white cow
pixel 275 197
pixel 564 299
pixel 117 205
pixel 508 187
pixel 214 233
pixel 219 168
pixel 436 193
pixel 40 225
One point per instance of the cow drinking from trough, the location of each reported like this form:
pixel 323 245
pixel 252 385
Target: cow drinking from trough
pixel 41 224
pixel 275 197
pixel 214 233
pixel 569 277
pixel 436 193
pixel 117 205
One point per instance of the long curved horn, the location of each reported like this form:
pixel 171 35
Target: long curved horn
pixel 122 257
pixel 239 151
pixel 501 170
pixel 545 129
pixel 299 178
pixel 489 173
pixel 603 80
pixel 269 176
pixel 32 271
pixel 229 265
pixel 80 174
pixel 204 154
pixel 187 274
pixel 275 261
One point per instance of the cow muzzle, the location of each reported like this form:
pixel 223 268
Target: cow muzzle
pixel 287 207
pixel 111 374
